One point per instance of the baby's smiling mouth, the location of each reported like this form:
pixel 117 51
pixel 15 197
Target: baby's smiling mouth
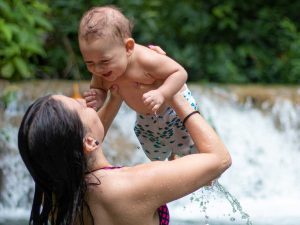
pixel 107 74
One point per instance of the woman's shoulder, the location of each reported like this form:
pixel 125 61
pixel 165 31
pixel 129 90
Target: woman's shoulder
pixel 127 183
pixel 114 189
pixel 107 184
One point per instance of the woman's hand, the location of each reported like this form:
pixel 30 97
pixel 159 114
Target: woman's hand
pixel 157 49
pixel 110 108
pixel 114 91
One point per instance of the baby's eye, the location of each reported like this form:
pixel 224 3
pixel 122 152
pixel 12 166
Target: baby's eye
pixel 89 64
pixel 105 61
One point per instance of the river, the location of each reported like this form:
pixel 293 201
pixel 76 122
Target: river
pixel 260 125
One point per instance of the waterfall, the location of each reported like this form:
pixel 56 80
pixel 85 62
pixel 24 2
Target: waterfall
pixel 265 148
pixel 263 140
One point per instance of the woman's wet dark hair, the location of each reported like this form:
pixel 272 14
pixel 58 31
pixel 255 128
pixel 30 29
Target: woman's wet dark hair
pixel 50 141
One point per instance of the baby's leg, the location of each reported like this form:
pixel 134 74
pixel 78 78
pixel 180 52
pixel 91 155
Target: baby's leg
pixel 150 135
pixel 182 143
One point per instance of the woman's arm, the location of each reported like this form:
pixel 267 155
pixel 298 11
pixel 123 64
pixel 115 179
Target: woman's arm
pixel 204 136
pixel 162 182
pixel 109 110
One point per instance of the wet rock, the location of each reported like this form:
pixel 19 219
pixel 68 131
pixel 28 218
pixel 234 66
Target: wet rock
pixel 259 94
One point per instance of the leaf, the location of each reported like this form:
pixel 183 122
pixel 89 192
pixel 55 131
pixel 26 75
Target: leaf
pixel 5 10
pixel 24 37
pixel 42 22
pixel 42 7
pixel 22 67
pixel 11 51
pixel 7 70
pixel 5 30
pixel 30 19
pixel 34 48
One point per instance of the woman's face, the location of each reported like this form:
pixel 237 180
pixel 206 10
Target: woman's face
pixel 87 115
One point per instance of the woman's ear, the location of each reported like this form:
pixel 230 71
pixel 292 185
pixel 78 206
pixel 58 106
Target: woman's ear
pixel 90 144
pixel 129 44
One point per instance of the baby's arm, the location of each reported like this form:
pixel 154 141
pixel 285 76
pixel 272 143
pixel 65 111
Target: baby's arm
pixel 161 67
pixel 96 96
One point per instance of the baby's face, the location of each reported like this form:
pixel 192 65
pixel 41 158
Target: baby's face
pixel 104 57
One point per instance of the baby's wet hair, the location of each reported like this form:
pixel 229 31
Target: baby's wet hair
pixel 103 22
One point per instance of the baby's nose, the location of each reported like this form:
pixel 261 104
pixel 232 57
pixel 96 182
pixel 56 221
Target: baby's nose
pixel 99 68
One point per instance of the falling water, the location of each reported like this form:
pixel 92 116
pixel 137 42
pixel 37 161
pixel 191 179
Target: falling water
pixel 259 188
pixel 264 143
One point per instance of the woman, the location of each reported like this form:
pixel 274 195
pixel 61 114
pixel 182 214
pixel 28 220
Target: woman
pixel 60 141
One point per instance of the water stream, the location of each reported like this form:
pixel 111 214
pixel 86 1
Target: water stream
pixel 260 188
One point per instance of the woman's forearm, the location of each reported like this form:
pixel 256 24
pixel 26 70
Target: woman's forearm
pixel 108 112
pixel 204 136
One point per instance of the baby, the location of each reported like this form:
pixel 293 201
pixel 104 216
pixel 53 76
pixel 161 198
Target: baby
pixel 146 81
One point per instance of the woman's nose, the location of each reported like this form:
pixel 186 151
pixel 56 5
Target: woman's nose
pixel 82 101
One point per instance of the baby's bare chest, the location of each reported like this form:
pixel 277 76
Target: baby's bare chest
pixel 132 91
pixel 137 82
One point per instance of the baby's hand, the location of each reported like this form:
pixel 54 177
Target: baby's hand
pixel 95 98
pixel 153 100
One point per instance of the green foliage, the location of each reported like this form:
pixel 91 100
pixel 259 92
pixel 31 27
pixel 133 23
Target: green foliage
pixel 221 41
pixel 22 33
pixel 63 55
pixel 224 41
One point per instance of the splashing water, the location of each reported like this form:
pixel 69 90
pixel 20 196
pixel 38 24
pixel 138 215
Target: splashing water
pixel 236 206
pixel 213 205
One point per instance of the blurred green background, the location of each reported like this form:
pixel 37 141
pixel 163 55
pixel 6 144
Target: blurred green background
pixel 224 41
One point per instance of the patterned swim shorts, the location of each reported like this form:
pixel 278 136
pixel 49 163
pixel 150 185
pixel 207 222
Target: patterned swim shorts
pixel 164 134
